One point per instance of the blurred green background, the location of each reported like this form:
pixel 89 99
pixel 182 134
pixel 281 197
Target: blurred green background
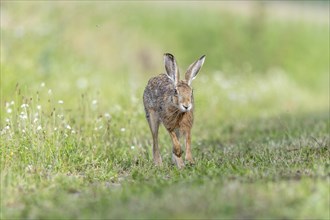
pixel 112 48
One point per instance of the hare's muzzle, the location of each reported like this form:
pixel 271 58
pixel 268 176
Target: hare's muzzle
pixel 185 107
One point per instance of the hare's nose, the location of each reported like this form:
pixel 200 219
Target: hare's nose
pixel 185 106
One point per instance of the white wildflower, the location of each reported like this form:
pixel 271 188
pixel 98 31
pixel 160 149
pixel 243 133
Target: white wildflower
pixel 68 127
pixel 42 84
pixel 49 91
pixel 55 129
pixel 7 127
pixel 73 132
pixel 94 102
pixel 28 167
pixel 39 107
pixel 39 128
pixel 132 147
pixel 7 120
pixel 107 115
pixel 122 129
pixel 35 120
pixel 12 103
pixel 60 102
pixel 9 110
pixel 24 105
pixel 23 116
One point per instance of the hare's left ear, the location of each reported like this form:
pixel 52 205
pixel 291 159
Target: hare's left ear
pixel 171 68
pixel 194 69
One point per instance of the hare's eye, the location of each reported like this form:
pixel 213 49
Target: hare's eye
pixel 175 91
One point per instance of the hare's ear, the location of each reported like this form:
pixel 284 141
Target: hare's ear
pixel 193 70
pixel 171 67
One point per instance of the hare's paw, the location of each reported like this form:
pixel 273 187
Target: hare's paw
pixel 189 158
pixel 158 161
pixel 190 161
pixel 178 161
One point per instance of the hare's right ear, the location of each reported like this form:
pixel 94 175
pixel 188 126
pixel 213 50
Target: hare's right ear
pixel 194 69
pixel 171 68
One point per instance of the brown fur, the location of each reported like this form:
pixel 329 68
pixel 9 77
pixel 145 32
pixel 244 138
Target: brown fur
pixel 170 101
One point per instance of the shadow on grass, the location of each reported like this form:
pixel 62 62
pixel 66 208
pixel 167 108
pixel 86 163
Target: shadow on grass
pixel 312 126
pixel 284 147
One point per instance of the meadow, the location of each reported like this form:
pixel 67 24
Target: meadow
pixel 75 142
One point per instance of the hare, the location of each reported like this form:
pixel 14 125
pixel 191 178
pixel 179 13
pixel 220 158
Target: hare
pixel 170 101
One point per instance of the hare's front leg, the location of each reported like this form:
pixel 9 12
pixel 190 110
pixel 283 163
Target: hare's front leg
pixel 153 121
pixel 188 148
pixel 177 152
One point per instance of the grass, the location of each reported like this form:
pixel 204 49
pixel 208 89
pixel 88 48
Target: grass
pixel 75 143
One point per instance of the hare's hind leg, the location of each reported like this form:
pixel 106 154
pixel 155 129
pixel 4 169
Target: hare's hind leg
pixel 153 120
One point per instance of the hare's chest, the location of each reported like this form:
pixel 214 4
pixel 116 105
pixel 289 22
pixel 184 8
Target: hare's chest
pixel 173 119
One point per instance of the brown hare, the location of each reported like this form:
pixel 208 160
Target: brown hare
pixel 170 101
